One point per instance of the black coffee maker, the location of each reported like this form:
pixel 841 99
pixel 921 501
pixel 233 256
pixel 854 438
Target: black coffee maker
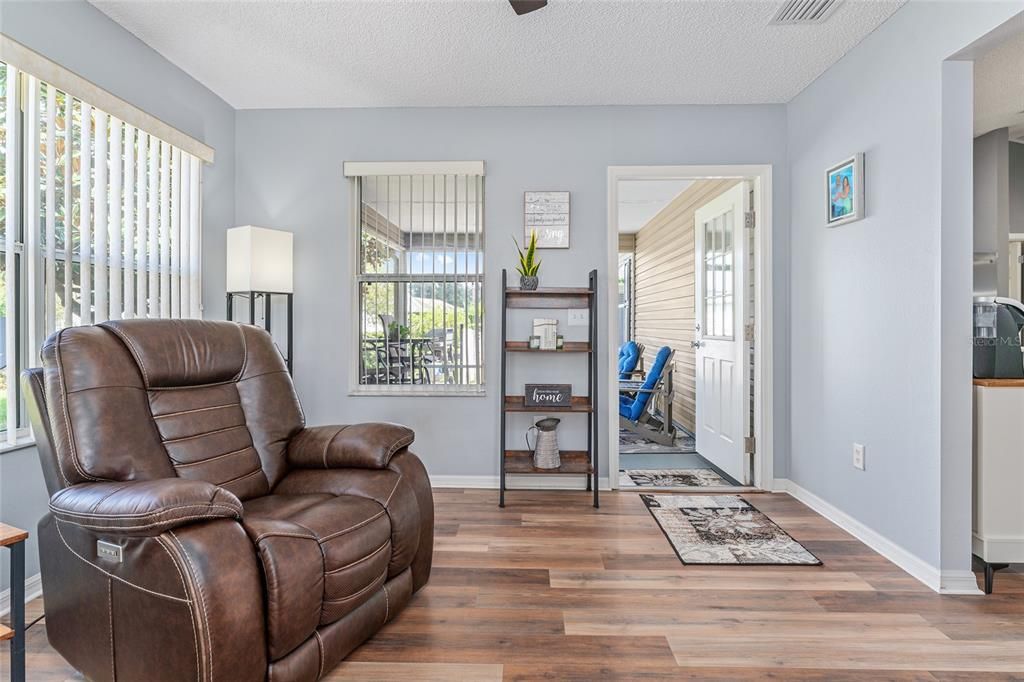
pixel 997 338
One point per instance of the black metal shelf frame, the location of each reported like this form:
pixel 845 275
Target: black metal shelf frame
pixel 552 298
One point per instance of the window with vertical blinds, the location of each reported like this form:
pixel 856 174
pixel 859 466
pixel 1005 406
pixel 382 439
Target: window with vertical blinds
pixel 99 220
pixel 420 274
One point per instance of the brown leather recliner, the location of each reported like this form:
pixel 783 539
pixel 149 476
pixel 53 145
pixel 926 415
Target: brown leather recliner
pixel 198 530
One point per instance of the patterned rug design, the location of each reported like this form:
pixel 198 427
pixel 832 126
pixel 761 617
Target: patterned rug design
pixel 670 478
pixel 633 443
pixel 724 530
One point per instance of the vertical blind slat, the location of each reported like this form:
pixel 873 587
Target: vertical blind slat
pixel 31 231
pixel 114 235
pixel 142 223
pixel 50 265
pixel 152 253
pixel 69 230
pixel 165 226
pixel 85 213
pixel 183 241
pixel 102 216
pixel 175 242
pixel 12 202
pixel 128 250
pixel 194 237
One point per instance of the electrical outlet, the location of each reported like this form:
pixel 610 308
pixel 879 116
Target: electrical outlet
pixel 858 456
pixel 578 317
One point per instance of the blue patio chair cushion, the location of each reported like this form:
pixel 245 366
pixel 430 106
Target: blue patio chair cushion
pixel 629 357
pixel 632 408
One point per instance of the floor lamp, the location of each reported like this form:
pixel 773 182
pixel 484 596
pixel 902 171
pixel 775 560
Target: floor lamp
pixel 259 265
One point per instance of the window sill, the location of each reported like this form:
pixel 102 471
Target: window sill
pixel 368 392
pixel 25 440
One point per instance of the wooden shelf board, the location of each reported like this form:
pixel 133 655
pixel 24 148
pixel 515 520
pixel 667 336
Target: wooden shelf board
pixel 516 403
pixel 549 291
pixel 573 462
pixel 10 535
pixel 5 633
pixel 569 347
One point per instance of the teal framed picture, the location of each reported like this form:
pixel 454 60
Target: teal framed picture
pixel 844 191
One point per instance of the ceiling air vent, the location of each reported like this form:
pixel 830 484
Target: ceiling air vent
pixel 804 12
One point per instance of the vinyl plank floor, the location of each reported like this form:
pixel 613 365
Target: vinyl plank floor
pixel 550 588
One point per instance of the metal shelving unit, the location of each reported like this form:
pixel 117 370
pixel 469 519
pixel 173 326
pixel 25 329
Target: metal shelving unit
pixel 573 461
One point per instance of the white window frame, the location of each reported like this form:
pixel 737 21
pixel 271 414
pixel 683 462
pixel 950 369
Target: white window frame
pixel 353 171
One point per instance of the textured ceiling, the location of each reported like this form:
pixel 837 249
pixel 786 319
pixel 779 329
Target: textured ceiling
pixel 368 53
pixel 999 88
pixel 641 200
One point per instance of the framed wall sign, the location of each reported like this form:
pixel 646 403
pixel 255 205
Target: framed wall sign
pixel 844 191
pixel 548 395
pixel 547 213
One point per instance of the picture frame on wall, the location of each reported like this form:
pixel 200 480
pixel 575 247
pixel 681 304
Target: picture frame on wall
pixel 844 191
pixel 547 214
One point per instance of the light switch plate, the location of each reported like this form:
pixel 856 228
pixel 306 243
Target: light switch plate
pixel 579 317
pixel 858 456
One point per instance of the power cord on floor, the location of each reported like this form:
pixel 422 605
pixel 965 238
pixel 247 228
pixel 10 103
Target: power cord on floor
pixel 34 622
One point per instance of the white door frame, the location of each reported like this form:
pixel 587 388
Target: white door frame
pixel 761 176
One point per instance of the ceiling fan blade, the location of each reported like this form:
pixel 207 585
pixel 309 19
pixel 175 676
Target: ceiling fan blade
pixel 522 7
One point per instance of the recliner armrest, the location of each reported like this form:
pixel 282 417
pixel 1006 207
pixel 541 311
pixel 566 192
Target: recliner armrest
pixel 143 508
pixel 357 446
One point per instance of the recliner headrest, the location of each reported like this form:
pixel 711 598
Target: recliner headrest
pixel 173 353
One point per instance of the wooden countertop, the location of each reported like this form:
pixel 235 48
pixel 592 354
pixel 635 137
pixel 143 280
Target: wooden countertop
pixel 1000 383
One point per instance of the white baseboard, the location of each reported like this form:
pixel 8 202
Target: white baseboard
pixel 547 482
pixel 959 582
pixel 949 582
pixel 33 590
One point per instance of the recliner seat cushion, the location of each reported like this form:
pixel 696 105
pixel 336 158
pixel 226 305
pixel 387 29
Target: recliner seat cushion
pixel 322 555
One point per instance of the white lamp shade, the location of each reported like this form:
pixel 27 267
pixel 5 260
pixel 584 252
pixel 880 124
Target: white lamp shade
pixel 259 259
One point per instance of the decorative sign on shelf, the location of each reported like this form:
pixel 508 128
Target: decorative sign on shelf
pixel 547 213
pixel 548 395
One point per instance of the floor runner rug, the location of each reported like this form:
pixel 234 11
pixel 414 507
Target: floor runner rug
pixel 724 530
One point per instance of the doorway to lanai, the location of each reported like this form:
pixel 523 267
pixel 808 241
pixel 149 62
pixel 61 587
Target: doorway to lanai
pixel 684 388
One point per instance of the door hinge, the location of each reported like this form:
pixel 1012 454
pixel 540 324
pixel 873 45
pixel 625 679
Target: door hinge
pixel 748 332
pixel 749 220
pixel 749 445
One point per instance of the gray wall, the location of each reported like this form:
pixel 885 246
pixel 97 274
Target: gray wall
pixel 871 360
pixel 289 176
pixel 82 39
pixel 992 211
pixel 1016 187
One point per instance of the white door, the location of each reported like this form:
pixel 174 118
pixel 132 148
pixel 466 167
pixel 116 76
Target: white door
pixel 720 284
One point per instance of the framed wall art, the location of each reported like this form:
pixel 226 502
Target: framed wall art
pixel 844 191
pixel 547 214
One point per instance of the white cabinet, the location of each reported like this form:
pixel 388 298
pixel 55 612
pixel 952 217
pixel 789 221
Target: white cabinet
pixel 998 522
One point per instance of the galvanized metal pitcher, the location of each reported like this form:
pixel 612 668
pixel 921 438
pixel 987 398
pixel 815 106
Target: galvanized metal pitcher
pixel 545 452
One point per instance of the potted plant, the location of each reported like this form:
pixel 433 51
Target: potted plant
pixel 397 332
pixel 528 263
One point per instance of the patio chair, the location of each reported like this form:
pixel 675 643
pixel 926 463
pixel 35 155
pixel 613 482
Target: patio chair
pixel 636 408
pixel 631 360
pixel 439 358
